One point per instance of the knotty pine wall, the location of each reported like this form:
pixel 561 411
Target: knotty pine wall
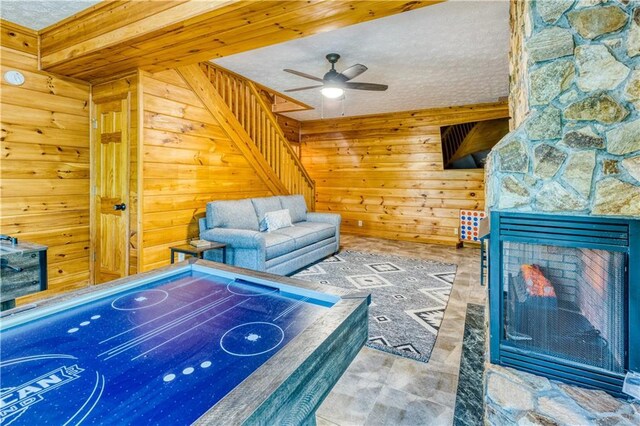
pixel 45 161
pixel 386 170
pixel 188 160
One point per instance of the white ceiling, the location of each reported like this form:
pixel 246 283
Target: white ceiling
pixel 453 53
pixel 36 14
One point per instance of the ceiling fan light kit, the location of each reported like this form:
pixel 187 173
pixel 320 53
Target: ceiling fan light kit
pixel 334 83
pixel 332 92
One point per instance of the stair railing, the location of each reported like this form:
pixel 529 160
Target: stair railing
pixel 452 138
pixel 253 111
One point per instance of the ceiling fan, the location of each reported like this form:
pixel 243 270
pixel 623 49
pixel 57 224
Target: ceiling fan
pixel 334 82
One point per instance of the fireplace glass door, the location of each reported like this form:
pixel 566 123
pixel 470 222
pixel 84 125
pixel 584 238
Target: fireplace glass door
pixel 565 302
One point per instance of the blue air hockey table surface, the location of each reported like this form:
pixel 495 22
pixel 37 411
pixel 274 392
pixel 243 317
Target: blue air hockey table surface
pixel 194 342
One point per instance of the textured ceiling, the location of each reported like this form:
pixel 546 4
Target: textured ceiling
pixel 37 15
pixel 452 53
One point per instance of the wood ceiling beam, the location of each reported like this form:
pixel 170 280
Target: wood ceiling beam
pixel 398 120
pixel 118 36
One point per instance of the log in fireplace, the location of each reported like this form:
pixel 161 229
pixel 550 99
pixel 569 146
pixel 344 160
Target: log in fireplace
pixel 565 297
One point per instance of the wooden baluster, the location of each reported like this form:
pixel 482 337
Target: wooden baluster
pixel 292 173
pixel 260 137
pixel 285 168
pixel 274 150
pixel 291 167
pixel 248 111
pixel 274 153
pixel 232 93
pixel 253 116
pixel 227 91
pixel 242 98
pixel 263 136
pixel 243 102
pixel 236 92
pixel 247 106
pixel 276 160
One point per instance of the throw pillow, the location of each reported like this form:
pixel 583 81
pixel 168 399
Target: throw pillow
pixel 277 220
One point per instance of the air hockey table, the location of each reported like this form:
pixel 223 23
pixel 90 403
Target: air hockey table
pixel 196 342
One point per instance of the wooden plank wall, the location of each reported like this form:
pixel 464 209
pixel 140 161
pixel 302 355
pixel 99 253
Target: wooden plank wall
pixel 291 130
pixel 386 170
pixel 129 84
pixel 45 161
pixel 188 160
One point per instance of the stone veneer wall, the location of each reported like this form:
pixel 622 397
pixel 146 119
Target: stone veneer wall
pixel 575 76
pixel 520 26
pixel 578 150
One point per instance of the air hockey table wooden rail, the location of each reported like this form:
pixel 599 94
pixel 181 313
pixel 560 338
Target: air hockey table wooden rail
pixel 196 342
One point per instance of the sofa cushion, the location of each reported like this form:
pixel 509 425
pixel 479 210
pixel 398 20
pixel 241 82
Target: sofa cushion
pixel 287 257
pixel 265 205
pixel 296 205
pixel 277 220
pixel 278 244
pixel 307 233
pixel 237 214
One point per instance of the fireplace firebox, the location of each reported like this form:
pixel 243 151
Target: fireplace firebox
pixel 565 297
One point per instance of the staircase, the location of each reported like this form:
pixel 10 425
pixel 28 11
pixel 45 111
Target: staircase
pixel 252 110
pixel 452 139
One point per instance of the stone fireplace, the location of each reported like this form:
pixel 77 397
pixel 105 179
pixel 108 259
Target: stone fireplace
pixel 565 297
pixel 573 155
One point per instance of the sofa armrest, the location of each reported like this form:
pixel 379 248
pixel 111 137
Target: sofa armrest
pixel 202 225
pixel 331 218
pixel 237 238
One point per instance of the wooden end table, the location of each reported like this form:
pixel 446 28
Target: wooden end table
pixel 199 251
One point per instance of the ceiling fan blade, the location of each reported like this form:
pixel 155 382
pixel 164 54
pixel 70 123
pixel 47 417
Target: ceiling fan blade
pixel 303 88
pixel 354 71
pixel 366 86
pixel 301 74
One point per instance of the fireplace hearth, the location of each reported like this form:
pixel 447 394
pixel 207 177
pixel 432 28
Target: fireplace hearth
pixel 564 297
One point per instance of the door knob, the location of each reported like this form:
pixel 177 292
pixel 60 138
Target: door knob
pixel 121 206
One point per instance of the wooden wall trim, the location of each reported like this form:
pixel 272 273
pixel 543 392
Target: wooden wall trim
pixel 17 37
pixel 200 84
pixel 112 39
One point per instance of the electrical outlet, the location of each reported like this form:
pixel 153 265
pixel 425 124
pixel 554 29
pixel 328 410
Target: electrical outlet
pixel 180 257
pixel 360 223
pixel 455 231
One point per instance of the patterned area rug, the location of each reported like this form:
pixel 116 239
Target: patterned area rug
pixel 408 297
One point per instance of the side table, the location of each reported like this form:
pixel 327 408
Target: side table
pixel 199 251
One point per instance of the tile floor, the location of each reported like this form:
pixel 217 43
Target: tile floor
pixel 384 389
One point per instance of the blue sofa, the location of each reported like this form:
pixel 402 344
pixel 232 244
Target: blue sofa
pixel 312 237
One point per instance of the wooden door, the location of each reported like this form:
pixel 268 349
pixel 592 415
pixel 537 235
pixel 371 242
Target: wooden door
pixel 111 160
